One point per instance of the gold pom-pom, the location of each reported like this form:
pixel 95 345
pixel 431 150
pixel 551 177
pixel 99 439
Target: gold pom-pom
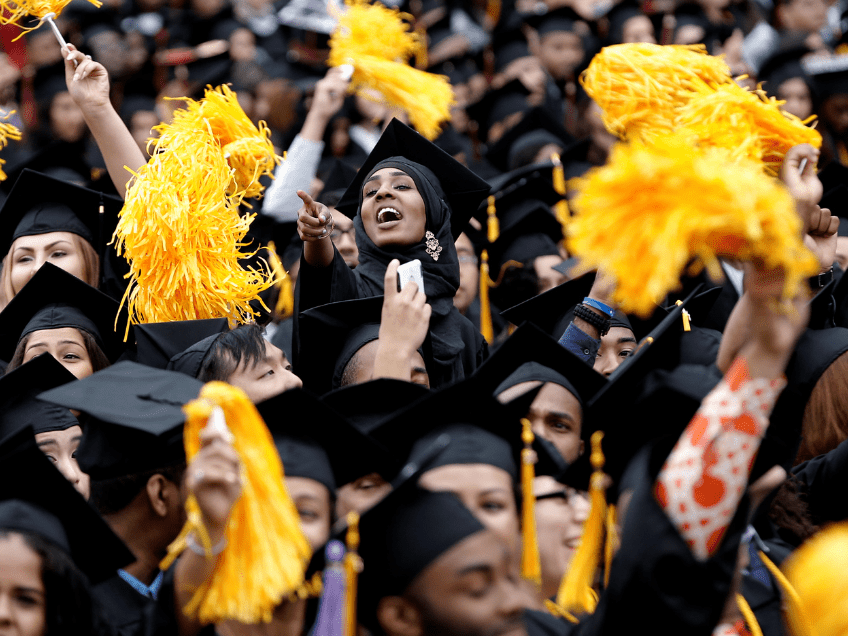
pixel 180 228
pixel 12 11
pixel 7 132
pixel 641 87
pixel 746 123
pixel 266 552
pixel 379 43
pixel 654 208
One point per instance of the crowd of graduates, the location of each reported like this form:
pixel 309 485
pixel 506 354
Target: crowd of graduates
pixel 431 418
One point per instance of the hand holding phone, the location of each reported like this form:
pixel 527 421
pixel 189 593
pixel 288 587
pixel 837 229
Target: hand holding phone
pixel 408 272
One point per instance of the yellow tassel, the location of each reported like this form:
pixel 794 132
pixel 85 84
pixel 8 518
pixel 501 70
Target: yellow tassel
pixel 492 225
pixel 266 553
pixel 379 43
pixel 285 299
pixel 493 11
pixel 561 211
pixel 12 11
pixel 531 565
pixel 180 228
pixel 486 327
pixel 611 543
pixel 748 615
pixel 641 87
pixel 685 316
pixel 352 566
pixel 653 209
pixel 556 610
pixel 7 132
pixel 576 593
pixel 814 584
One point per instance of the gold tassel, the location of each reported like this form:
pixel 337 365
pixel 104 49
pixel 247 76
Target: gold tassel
pixel 685 316
pixel 266 552
pixel 285 298
pixel 492 225
pixel 352 566
pixel 817 571
pixel 486 327
pixel 748 615
pixel 493 11
pixel 645 233
pixel 12 11
pixel 531 565
pixel 612 541
pixel 7 132
pixel 575 592
pixel 380 62
pixel 180 228
pixel 561 211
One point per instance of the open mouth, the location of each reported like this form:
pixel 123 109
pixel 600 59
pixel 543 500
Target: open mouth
pixel 387 215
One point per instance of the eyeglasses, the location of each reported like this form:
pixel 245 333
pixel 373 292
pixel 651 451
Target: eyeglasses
pixel 465 258
pixel 337 233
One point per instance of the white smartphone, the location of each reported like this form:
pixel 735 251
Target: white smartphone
pixel 410 271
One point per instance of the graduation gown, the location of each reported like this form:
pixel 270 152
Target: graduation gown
pixel 123 607
pixel 821 479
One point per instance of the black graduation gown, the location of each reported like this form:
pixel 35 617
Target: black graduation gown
pixel 822 480
pixel 123 607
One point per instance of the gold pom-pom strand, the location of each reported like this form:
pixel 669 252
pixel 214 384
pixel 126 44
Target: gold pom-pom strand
pixel 378 42
pixel 266 552
pixel 7 131
pixel 746 123
pixel 12 11
pixel 640 87
pixel 654 208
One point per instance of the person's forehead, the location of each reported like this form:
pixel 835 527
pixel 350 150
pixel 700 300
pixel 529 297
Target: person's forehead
pixel 554 397
pixel 483 550
pixel 384 173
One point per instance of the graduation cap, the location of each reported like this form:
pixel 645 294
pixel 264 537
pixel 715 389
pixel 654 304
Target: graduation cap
pixel 498 104
pixel 336 331
pixel 509 44
pixel 53 299
pixel 550 311
pixel 19 407
pixel 39 204
pixel 316 442
pixel 462 189
pixel 830 74
pixel 36 499
pixel 834 179
pixel 619 17
pixel 366 405
pixel 338 179
pixel 135 418
pixel 521 143
pixel 562 19
pixel 158 342
pixel 782 66
pixel 48 82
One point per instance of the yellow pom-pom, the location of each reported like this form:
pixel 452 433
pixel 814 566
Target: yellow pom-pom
pixel 266 553
pixel 640 87
pixel 746 123
pixel 7 132
pixel 11 11
pixel 379 43
pixel 654 208
pixel 180 228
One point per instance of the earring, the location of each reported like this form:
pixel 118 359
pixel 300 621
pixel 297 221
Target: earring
pixel 433 247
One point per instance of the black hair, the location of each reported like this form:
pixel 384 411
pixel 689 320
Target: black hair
pixel 245 343
pixel 110 496
pixel 70 609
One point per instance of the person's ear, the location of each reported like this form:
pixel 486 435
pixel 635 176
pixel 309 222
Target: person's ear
pixel 398 617
pixel 582 448
pixel 162 493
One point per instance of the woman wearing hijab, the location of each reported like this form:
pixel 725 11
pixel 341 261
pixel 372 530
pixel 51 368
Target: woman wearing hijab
pixel 404 210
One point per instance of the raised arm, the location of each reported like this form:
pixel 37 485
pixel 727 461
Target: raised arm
pixel 88 84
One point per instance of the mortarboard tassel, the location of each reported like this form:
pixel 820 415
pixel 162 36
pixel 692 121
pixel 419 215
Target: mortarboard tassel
pixel 330 620
pixel 266 552
pixel 493 11
pixel 285 299
pixel 813 569
pixel 645 233
pixel 12 11
pixel 378 43
pixel 560 207
pixel 486 327
pixel 180 228
pixel 687 326
pixel 493 227
pixel 531 565
pixel 611 542
pixel 7 132
pixel 576 594
pixel 352 568
pixel 748 615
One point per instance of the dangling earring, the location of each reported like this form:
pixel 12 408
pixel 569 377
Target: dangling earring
pixel 433 247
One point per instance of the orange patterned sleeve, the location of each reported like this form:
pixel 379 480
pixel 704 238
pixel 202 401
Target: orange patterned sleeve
pixel 705 476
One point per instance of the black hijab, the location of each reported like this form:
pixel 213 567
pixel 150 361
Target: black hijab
pixel 441 276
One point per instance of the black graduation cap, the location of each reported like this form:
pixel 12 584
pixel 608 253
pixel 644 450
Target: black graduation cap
pixel 135 418
pixel 316 442
pixel 498 104
pixel 158 342
pixel 784 65
pixel 550 310
pixel 463 190
pixel 366 405
pixel 562 19
pixel 509 44
pixel 19 407
pixel 36 499
pixel 338 179
pixel 531 354
pixel 618 18
pixel 39 204
pixel 48 82
pixel 482 430
pixel 52 299
pixel 834 178
pixel 53 160
pixel 830 74
pixel 329 337
pixel 522 142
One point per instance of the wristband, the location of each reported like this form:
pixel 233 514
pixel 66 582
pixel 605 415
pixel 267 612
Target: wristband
pixel 600 323
pixel 818 282
pixel 597 304
pixel 194 546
